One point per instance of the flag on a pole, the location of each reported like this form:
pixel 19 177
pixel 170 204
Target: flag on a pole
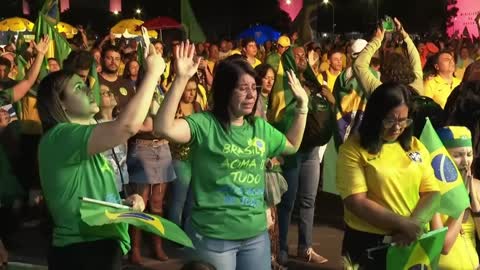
pixel 97 214
pixel 454 195
pixel 422 254
pixel 94 83
pixel 194 31
pixel 51 11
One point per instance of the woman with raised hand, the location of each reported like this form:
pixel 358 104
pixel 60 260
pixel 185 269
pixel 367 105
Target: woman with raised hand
pixel 72 166
pixel 228 150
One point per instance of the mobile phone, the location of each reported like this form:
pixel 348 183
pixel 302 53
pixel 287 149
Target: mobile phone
pixel 388 24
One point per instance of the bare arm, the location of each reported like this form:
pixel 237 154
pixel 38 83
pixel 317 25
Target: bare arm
pixel 21 88
pixel 454 227
pixel 165 125
pixel 110 134
pixel 295 132
pixel 426 206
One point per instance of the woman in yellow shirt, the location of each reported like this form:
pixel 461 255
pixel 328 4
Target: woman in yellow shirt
pixel 459 248
pixel 385 178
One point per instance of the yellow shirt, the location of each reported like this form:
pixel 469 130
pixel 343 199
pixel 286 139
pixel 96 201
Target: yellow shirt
pixel 29 117
pixel 438 89
pixel 257 62
pixel 392 178
pixel 331 78
pixel 462 255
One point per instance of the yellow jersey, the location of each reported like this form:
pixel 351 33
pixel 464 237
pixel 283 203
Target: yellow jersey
pixel 463 254
pixel 439 89
pixel 392 178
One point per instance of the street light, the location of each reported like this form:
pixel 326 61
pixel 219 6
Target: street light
pixel 115 12
pixel 138 11
pixel 326 2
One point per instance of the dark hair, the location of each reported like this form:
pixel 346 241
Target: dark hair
pixel 436 58
pixel 52 59
pixel 227 75
pixel 5 62
pixel 465 111
pixel 261 71
pixel 385 98
pixel 429 68
pixel 375 61
pixel 108 48
pixel 78 60
pixel 421 108
pixel 333 51
pixel 198 265
pixel 397 69
pixel 246 41
pixel 50 93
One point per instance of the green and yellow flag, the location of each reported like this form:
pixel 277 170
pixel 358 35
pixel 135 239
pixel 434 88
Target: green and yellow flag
pixel 94 83
pixel 454 195
pixel 95 214
pixel 423 254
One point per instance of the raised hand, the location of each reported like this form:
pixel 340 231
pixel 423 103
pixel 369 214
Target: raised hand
pixel 313 58
pixel 42 46
pixel 185 66
pixel 154 62
pixel 297 88
pixel 399 27
pixel 380 33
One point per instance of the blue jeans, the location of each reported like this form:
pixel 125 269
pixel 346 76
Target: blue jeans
pixel 181 203
pixel 302 178
pixel 246 254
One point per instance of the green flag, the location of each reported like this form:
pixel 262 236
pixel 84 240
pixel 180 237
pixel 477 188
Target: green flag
pixel 194 31
pixel 94 83
pixel 45 25
pixel 454 195
pixel 422 254
pixel 95 214
pixel 140 54
pixel 51 11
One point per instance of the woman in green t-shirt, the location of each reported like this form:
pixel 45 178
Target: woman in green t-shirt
pixel 228 150
pixel 71 166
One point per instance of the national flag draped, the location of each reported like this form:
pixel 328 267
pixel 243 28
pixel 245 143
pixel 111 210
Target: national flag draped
pixel 51 11
pixel 454 196
pixel 95 214
pixel 194 31
pixel 422 254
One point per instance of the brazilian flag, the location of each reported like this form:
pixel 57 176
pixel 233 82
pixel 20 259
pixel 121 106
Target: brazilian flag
pixel 454 195
pixel 423 254
pixel 97 213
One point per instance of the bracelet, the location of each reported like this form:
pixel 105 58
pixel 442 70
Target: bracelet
pixel 303 110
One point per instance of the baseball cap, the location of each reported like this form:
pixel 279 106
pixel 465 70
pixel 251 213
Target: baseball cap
pixel 284 41
pixel 357 46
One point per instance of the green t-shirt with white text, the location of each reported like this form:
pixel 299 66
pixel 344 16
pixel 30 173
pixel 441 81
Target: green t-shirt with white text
pixel 228 175
pixel 68 172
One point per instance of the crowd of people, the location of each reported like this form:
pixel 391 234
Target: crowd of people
pixel 196 120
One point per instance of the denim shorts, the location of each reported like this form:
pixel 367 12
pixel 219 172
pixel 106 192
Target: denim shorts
pixel 150 165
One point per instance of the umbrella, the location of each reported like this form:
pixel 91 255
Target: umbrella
pixel 16 24
pixel 128 29
pixel 261 33
pixel 162 23
pixel 66 28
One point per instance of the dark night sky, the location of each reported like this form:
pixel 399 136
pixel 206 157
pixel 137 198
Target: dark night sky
pixel 227 18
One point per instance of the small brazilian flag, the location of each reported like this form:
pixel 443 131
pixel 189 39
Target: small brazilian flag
pixel 94 83
pixel 454 195
pixel 95 214
pixel 423 254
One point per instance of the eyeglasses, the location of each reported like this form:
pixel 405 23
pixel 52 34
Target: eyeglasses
pixel 389 123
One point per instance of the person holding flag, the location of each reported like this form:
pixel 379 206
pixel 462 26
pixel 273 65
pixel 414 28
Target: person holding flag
pixel 459 249
pixel 71 166
pixel 228 148
pixel 385 178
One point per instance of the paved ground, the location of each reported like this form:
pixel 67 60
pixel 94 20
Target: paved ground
pixel 30 245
